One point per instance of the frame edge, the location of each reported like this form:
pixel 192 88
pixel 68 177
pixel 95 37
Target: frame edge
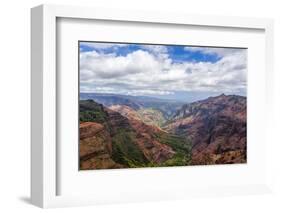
pixel 42 45
pixel 37 106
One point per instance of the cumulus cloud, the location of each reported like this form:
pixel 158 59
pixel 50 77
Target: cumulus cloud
pixel 150 70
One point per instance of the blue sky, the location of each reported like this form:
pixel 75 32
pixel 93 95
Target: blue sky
pixel 177 53
pixel 185 73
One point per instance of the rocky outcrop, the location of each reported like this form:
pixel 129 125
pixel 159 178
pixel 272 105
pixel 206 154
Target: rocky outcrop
pixel 119 140
pixel 153 150
pixel 217 128
pixel 151 146
pixel 95 148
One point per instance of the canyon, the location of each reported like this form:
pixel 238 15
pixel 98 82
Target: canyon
pixel 130 132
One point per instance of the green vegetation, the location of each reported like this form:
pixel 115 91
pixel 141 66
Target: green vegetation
pixel 180 145
pixel 178 160
pixel 92 111
pixel 125 151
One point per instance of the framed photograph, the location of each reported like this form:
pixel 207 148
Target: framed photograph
pixel 156 105
pixel 129 106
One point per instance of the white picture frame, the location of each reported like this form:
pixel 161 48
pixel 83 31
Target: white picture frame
pixel 44 154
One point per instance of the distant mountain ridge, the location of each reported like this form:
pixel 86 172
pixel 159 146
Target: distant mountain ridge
pixel 166 106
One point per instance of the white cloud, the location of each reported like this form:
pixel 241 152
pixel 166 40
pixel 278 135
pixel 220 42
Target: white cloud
pixel 150 71
pixel 156 49
pixel 107 66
